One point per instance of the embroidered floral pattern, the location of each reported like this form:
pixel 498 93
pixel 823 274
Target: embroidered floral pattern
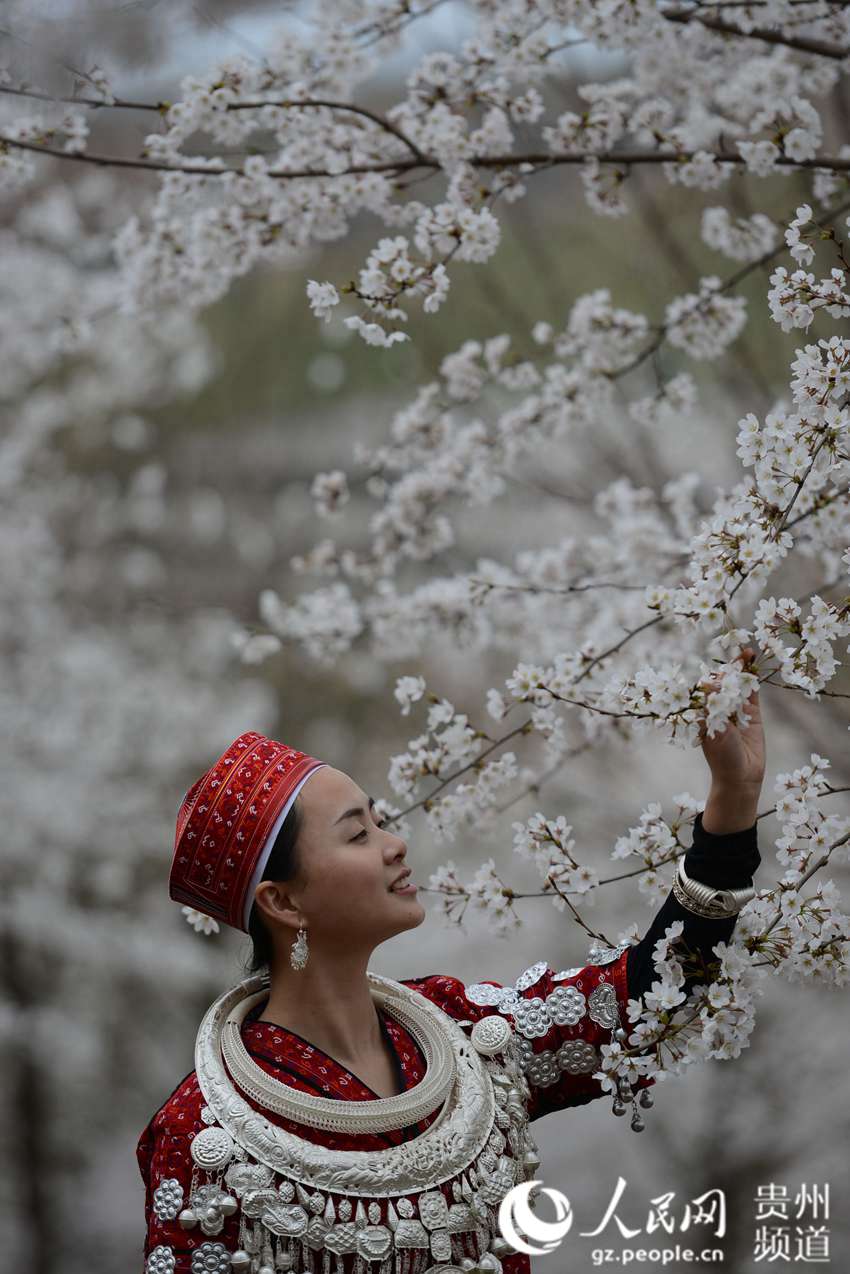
pixel 222 817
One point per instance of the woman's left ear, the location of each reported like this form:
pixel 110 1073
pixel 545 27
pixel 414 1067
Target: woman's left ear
pixel 276 899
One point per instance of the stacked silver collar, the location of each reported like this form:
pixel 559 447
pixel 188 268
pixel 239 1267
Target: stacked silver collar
pixel 304 1206
pixel 379 1115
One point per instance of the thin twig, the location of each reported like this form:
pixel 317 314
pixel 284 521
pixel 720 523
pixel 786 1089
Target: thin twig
pixel 539 160
pixel 805 44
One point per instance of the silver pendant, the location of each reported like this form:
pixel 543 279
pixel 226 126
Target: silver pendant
pixel 374 1242
pixel 168 1198
pixel 212 1148
pixel 484 995
pixel 577 1057
pixel 543 1069
pixel 491 1034
pixel 299 952
pixel 532 1018
pixel 211 1258
pixel 566 973
pixel 602 1006
pixel 441 1245
pixel 605 955
pixel 566 1006
pixel 161 1260
pixel 411 1234
pixel 530 976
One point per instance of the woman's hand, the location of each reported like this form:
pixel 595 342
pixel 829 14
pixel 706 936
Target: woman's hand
pixel 736 758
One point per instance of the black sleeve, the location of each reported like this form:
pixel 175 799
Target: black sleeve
pixel 726 862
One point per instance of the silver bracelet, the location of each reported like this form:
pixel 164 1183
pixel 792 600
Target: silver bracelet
pixel 705 900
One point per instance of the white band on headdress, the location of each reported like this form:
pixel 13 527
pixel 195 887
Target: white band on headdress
pixel 265 852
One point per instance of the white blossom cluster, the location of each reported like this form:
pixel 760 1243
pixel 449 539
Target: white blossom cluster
pixel 326 622
pixel 548 844
pixel 655 843
pixel 704 108
pixel 200 922
pixel 797 459
pixel 794 299
pixel 799 805
pixel 109 701
pixel 471 804
pixel 598 128
pixel 811 663
pixel 743 239
pixel 452 894
pixel 666 696
pixel 674 401
pixel 703 324
pixel 449 740
pixel 330 492
pixel 490 898
pixel 670 1031
pixel 799 935
pixel 797 241
pixel 806 445
pixel 440 462
pixel 409 690
pixel 463 111
pixel 19 167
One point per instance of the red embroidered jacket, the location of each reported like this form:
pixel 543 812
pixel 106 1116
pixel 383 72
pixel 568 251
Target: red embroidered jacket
pixel 559 1075
pixel 163 1148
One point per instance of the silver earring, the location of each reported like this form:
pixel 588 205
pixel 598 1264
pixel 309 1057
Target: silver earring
pixel 299 953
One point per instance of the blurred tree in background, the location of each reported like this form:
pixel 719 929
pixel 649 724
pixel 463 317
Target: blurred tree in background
pixel 155 481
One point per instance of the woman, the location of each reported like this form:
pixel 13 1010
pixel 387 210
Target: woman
pixel 343 1123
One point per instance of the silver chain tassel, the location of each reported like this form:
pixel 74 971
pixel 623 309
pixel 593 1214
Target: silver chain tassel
pixel 626 1092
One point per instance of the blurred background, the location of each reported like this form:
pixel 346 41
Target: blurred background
pixel 152 488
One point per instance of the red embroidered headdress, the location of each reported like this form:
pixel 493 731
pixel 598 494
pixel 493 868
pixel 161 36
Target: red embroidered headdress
pixel 228 822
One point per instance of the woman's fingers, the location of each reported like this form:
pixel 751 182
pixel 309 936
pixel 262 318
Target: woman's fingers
pixel 746 655
pixel 711 683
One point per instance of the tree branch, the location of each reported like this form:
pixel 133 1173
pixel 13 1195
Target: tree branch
pixel 804 43
pixel 733 280
pixel 834 163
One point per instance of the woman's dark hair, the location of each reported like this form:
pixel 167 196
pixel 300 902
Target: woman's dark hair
pixel 282 866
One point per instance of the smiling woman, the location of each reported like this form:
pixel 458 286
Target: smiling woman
pixel 338 891
pixel 339 1122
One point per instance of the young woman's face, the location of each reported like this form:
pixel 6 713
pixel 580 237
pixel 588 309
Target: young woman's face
pixel 348 867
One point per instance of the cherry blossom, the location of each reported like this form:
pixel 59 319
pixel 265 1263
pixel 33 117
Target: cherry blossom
pixel 608 635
